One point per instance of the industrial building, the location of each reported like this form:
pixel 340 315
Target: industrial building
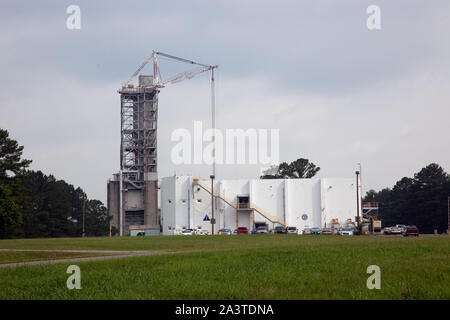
pixel 186 203
pixel 133 192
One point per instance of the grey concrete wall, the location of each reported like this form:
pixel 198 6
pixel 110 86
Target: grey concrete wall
pixel 113 202
pixel 151 203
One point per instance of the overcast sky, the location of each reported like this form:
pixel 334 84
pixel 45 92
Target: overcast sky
pixel 339 93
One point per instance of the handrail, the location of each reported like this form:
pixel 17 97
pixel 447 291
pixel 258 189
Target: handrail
pixel 216 193
pixel 273 219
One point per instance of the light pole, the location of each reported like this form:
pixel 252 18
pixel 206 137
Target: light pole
pixel 84 214
pixel 357 200
pixel 360 177
pixel 213 220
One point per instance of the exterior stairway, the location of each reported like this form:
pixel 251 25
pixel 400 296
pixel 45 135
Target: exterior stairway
pixel 233 204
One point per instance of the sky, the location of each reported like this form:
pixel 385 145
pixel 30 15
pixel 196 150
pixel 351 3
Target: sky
pixel 339 93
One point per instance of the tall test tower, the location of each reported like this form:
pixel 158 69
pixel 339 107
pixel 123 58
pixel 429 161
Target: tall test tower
pixel 133 191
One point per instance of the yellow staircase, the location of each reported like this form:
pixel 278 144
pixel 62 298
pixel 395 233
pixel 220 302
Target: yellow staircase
pixel 235 205
pixel 265 214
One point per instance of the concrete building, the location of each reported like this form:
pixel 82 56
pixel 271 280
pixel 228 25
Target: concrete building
pixel 133 191
pixel 186 203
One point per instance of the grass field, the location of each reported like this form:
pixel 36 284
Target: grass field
pixel 240 267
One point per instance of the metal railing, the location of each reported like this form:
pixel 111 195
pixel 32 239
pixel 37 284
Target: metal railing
pixel 367 205
pixel 265 214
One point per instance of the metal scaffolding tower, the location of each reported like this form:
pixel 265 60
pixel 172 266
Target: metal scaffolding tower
pixel 133 192
pixel 138 148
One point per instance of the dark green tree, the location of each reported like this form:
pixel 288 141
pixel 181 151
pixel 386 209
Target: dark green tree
pixel 54 208
pixel 97 219
pixel 430 190
pixel 300 168
pixel 34 205
pixel 9 212
pixel 10 156
pixel 420 201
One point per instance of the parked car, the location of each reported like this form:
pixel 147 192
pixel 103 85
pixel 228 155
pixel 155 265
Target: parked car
pixel 397 229
pixel 242 230
pixel 335 230
pixel 326 231
pixel 235 231
pixel 202 232
pixel 261 230
pixel 315 230
pixel 279 229
pixel 291 230
pixel 177 231
pixel 187 232
pixel 411 231
pixel 347 231
pixel 225 231
pixel 387 230
pixel 306 231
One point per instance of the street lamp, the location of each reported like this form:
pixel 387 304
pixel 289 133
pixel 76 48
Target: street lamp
pixel 360 177
pixel 357 200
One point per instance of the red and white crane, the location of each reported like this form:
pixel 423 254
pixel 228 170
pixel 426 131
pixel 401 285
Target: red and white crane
pixel 157 78
pixel 158 81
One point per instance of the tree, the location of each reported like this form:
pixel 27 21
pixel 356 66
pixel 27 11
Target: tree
pixel 9 212
pixel 34 205
pixel 300 168
pixel 430 190
pixel 420 201
pixel 10 156
pixel 54 208
pixel 97 219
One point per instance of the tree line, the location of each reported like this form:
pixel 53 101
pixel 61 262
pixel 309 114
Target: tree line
pixel 35 205
pixel 420 200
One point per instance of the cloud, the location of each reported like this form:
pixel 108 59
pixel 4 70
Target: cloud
pixel 339 94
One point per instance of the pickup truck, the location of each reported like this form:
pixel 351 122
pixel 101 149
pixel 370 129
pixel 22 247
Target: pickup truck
pixel 411 231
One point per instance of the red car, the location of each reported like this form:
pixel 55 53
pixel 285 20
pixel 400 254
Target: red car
pixel 242 230
pixel 411 231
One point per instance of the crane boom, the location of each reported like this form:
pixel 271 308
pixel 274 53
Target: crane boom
pixel 180 59
pixel 186 75
pixel 139 69
pixel 177 78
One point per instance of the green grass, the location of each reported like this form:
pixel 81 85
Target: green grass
pixel 25 256
pixel 244 267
